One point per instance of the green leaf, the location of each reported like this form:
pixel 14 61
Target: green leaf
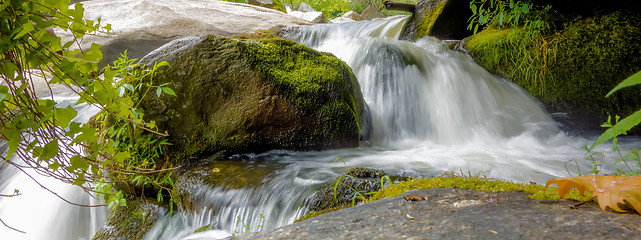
pixel 64 116
pixel 158 92
pixel 77 162
pixel 620 128
pixel 168 91
pixel 49 151
pixel 630 81
pixel 525 8
pixel 27 27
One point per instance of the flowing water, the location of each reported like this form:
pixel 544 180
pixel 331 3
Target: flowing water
pixel 432 110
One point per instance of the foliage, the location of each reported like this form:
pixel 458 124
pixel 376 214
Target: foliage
pixel 39 131
pixel 527 47
pixel 620 193
pixel 486 12
pixel 631 160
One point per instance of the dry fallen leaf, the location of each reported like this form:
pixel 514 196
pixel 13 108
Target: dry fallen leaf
pixel 616 192
pixel 414 198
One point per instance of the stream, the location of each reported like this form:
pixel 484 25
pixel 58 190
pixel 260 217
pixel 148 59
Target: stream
pixel 433 111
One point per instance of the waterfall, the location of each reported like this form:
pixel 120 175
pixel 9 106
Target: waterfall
pixel 433 111
pixel 38 212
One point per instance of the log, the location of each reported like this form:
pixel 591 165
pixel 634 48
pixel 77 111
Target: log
pixel 399 6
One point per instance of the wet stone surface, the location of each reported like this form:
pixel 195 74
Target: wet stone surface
pixel 462 214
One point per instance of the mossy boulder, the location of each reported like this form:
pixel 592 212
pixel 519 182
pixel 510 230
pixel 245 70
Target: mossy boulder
pixel 572 69
pixel 131 222
pixel 351 187
pixel 443 19
pixel 252 95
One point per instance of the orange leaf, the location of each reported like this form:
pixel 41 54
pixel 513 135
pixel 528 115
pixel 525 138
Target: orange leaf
pixel 611 191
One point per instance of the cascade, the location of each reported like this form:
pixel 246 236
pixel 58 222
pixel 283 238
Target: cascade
pixel 38 212
pixel 433 110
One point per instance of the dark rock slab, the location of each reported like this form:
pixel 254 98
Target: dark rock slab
pixel 443 19
pixel 462 214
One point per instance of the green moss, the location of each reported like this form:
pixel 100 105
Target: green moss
pixel 572 69
pixel 256 94
pixel 429 18
pixel 131 221
pixel 537 192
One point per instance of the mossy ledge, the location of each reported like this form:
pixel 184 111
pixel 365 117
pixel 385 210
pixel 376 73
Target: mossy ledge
pixel 536 191
pixel 253 95
pixel 572 68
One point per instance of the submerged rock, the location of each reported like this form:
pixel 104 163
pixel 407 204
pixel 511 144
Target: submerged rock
pixel 243 96
pixel 141 26
pixel 461 214
pixel 443 19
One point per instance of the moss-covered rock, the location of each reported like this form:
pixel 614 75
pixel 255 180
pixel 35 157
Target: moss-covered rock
pixel 246 95
pixel 443 19
pixel 572 69
pixel 352 187
pixel 130 222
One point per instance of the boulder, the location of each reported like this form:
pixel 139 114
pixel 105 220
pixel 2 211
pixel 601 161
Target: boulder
pixel 589 57
pixel 353 15
pixel 372 12
pixel 352 187
pixel 262 3
pixel 350 16
pixel 144 25
pixel 131 221
pixel 312 16
pixel 304 7
pixel 461 214
pixel 243 96
pixel 443 19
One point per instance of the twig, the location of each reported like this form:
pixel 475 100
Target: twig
pixel 581 203
pixel 14 229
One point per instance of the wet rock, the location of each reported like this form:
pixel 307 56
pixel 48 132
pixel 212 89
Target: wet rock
pixel 462 214
pixel 144 25
pixel 304 7
pixel 372 12
pixel 245 96
pixel 443 19
pixel 132 221
pixel 262 3
pixel 352 187
pixel 192 185
pixel 350 16
pixel 310 16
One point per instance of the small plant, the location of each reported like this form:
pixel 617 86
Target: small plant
pixel 630 161
pixel 246 228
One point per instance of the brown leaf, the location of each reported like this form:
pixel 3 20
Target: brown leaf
pixel 614 192
pixel 414 198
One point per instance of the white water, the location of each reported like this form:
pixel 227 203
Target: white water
pixel 38 212
pixel 433 111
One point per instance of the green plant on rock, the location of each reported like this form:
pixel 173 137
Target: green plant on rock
pixel 486 12
pixel 40 133
pixel 630 161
